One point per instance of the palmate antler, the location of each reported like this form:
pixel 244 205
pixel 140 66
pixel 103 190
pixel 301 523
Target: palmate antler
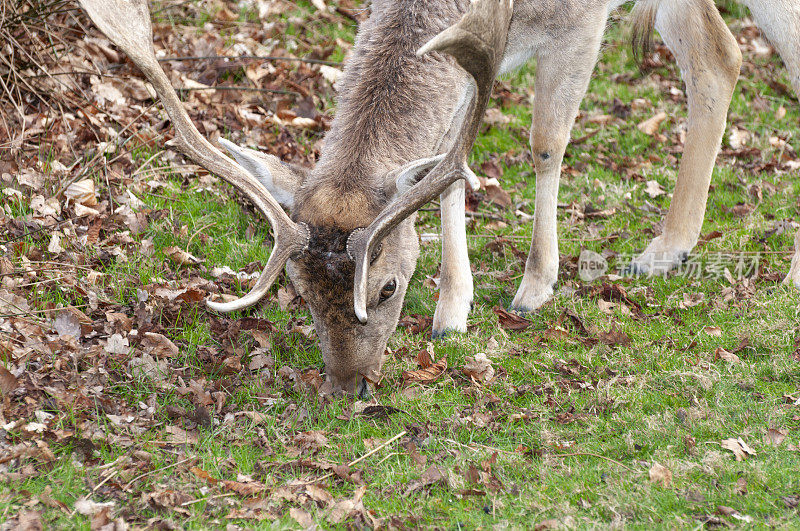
pixel 477 42
pixel 127 24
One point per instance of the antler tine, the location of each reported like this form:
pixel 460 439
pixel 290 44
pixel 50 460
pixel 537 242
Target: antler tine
pixel 127 24
pixel 477 42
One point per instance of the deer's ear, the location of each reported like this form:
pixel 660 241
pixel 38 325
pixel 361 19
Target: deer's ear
pixel 409 174
pixel 281 179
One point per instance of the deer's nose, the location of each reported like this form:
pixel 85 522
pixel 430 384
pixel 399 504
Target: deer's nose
pixel 363 389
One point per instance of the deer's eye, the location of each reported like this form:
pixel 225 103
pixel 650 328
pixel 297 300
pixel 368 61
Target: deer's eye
pixel 388 290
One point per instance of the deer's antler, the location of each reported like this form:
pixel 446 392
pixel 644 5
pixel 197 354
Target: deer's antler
pixel 477 42
pixel 127 24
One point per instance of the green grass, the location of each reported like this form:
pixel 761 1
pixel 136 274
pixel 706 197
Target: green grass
pixel 664 398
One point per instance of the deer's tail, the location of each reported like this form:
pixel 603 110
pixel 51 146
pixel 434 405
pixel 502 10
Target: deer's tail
pixel 644 20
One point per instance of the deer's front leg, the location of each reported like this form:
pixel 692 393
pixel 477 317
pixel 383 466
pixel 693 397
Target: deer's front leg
pixel 455 286
pixel 688 28
pixel 561 80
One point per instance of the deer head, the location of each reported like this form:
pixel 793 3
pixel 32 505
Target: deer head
pixel 353 275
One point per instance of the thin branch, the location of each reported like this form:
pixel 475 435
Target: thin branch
pixel 137 478
pixel 242 89
pixel 355 462
pixel 251 57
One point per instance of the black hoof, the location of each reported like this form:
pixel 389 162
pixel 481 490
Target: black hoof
pixel 364 390
pixel 439 334
pixel 522 312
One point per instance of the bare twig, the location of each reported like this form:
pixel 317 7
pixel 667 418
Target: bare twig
pixel 251 57
pixel 140 476
pixel 366 455
pixel 209 498
pixel 481 446
pixel 35 312
pixel 242 89
pixel 486 215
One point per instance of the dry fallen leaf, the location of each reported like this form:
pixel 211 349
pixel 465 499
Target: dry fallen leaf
pixel 713 331
pixel 552 523
pixel 117 344
pixel 426 374
pixel 331 74
pixel 311 440
pixel 82 193
pixel 176 435
pixel 159 346
pixel 654 189
pixel 181 257
pixel 348 508
pixel 478 368
pixel 147 366
pixel 302 517
pixel 690 300
pixel 55 244
pixel 660 474
pixel 738 447
pixel 511 321
pixel 26 521
pixel 730 357
pixel 8 382
pixel 775 437
pixel 67 324
pixel 651 125
pixel 495 116
pixel 495 193
pixel 88 507
pixel 738 138
pixel 248 487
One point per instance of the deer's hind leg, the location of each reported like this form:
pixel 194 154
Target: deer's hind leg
pixel 780 22
pixel 709 59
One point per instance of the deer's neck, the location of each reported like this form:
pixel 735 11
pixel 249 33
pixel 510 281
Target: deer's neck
pixel 393 107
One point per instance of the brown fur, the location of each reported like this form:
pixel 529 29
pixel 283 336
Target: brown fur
pixel 390 111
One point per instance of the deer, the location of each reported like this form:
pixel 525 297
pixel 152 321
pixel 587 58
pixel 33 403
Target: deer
pixel 350 247
pixel 409 108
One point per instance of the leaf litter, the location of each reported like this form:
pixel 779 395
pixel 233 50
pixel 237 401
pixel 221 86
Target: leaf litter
pixel 65 358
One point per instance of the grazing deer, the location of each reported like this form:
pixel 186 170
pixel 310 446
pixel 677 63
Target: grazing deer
pixel 350 247
pixel 404 109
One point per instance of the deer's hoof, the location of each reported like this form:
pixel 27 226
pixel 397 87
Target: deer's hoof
pixel 531 296
pixel 439 334
pixel 451 314
pixel 658 259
